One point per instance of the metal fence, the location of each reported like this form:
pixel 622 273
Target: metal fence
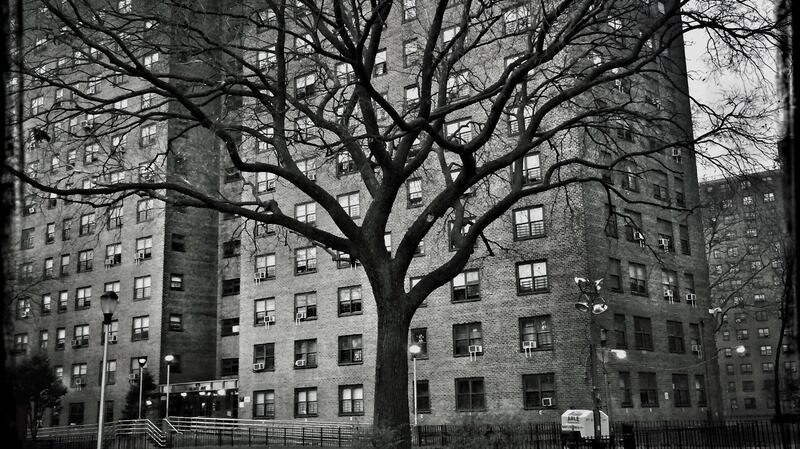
pixel 206 432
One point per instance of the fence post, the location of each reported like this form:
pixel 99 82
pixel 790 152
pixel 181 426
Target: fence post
pixel 284 436
pixel 339 435
pixel 266 436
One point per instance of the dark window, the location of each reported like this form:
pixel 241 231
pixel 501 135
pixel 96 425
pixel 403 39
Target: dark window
pixel 175 322
pixel 423 397
pixel 229 326
pixel 176 281
pixel 681 385
pixel 470 394
pixel 230 287
pixel 232 174
pixel 232 248
pixel 637 275
pixel 626 391
pixel 230 367
pixel 420 336
pixel 76 413
pixel 620 333
pixel 612 230
pixel 648 390
pixel 178 242
pixel 642 333
pixel 614 275
pixel 675 341
pixel 539 390
pixel 467 339
pixel 350 349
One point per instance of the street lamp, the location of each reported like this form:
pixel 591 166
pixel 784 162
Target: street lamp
pixel 415 349
pixel 108 304
pixel 169 358
pixel 592 303
pixel 142 362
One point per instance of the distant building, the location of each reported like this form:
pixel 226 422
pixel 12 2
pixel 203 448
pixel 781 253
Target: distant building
pixel 745 240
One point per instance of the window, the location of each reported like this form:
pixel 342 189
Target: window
pixel 423 397
pixel 113 254
pixel 611 229
pixel 111 373
pixel 230 287
pixel 414 188
pixel 47 304
pixel 459 132
pixel 350 203
pixel 263 229
pixel 305 402
pixel 467 339
pixel 675 340
pixel 630 178
pixel 410 52
pixel 528 222
pixel 457 88
pixel 141 287
pixel 466 286
pixel 536 333
pixel 470 394
pixel 76 409
pixel 531 169
pixel 232 248
pixel 265 182
pixel 620 331
pixel 351 349
pixel 44 339
pixel 666 240
pixel 149 60
pixel 449 33
pixel 176 281
pixel 409 10
pixel 175 322
pixel 263 403
pixel 85 260
pixel 626 390
pixel 50 233
pixel 23 308
pixel 306 213
pixel 305 260
pixel 638 279
pixel 746 368
pixel 767 367
pixel 538 390
pixel 263 308
pixel 229 327
pixel 515 20
pixel 765 350
pixel 20 344
pixel 63 298
pixel 642 333
pixel 144 210
pixel 467 224
pixel 532 277
pixel 264 354
pixel 26 272
pixel 230 367
pixel 80 336
pixel 140 328
pixel 87 224
pixel 410 97
pixel 83 297
pixel 669 283
pixel 350 300
pixel 305 306
pixel 147 136
pixel 683 232
pixel 769 197
pixel 345 73
pixel 648 389
pixel 305 353
pixel 420 337
pixel 660 191
pixel 265 267
pixel 304 85
pixel 742 334
pixel 614 275
pixel 380 63
pixel 680 384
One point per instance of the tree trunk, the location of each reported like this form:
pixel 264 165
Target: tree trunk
pixel 391 421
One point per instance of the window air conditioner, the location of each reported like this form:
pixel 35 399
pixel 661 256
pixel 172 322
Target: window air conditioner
pixel 258 366
pixel 663 243
pixel 260 275
pixel 133 376
pixel 24 314
pixel 76 342
pixel 31 209
pixel 78 381
pixel 269 319
pixel 299 363
pixel 547 402
pixel 109 262
pixel 691 297
pixel 638 236
pixel 529 344
pixel 112 339
pixel 474 349
pixel 696 348
pixel 300 316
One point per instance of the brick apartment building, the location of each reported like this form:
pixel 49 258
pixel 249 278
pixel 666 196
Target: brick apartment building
pixel 266 325
pixel 745 237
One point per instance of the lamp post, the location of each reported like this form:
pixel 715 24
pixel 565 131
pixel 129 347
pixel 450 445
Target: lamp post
pixel 415 349
pixel 108 304
pixel 592 303
pixel 169 358
pixel 142 362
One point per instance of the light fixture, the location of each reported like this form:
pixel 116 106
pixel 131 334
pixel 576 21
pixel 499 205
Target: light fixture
pixel 221 392
pixel 142 361
pixel 414 349
pixel 108 304
pixel 741 349
pixel 183 394
pixel 599 308
pixel 169 358
pixel 620 353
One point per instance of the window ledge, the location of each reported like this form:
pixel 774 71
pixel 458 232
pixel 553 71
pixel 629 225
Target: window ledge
pixel 550 349
pixel 532 292
pixel 351 314
pixel 552 407
pixel 453 301
pixel 644 295
pixel 351 414
pixel 533 237
pixel 468 355
pixel 350 363
pixel 304 273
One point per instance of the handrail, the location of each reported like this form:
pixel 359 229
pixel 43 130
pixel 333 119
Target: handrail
pixel 166 420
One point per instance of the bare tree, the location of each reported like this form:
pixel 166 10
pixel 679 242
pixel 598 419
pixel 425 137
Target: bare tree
pixel 286 90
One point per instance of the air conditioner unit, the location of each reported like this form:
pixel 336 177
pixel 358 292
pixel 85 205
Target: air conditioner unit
pixel 638 236
pixel 691 297
pixel 112 339
pixel 474 349
pixel 31 209
pixel 78 381
pixel 76 342
pixel 664 244
pixel 24 314
pixel 547 402
pixel 696 348
pixel 109 262
pixel 139 256
pixel 529 344
pixel 133 376
pixel 299 363
pixel 260 275
pixel 300 316
pixel 312 176
pixel 668 293
pixel 258 366
pixel 269 319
